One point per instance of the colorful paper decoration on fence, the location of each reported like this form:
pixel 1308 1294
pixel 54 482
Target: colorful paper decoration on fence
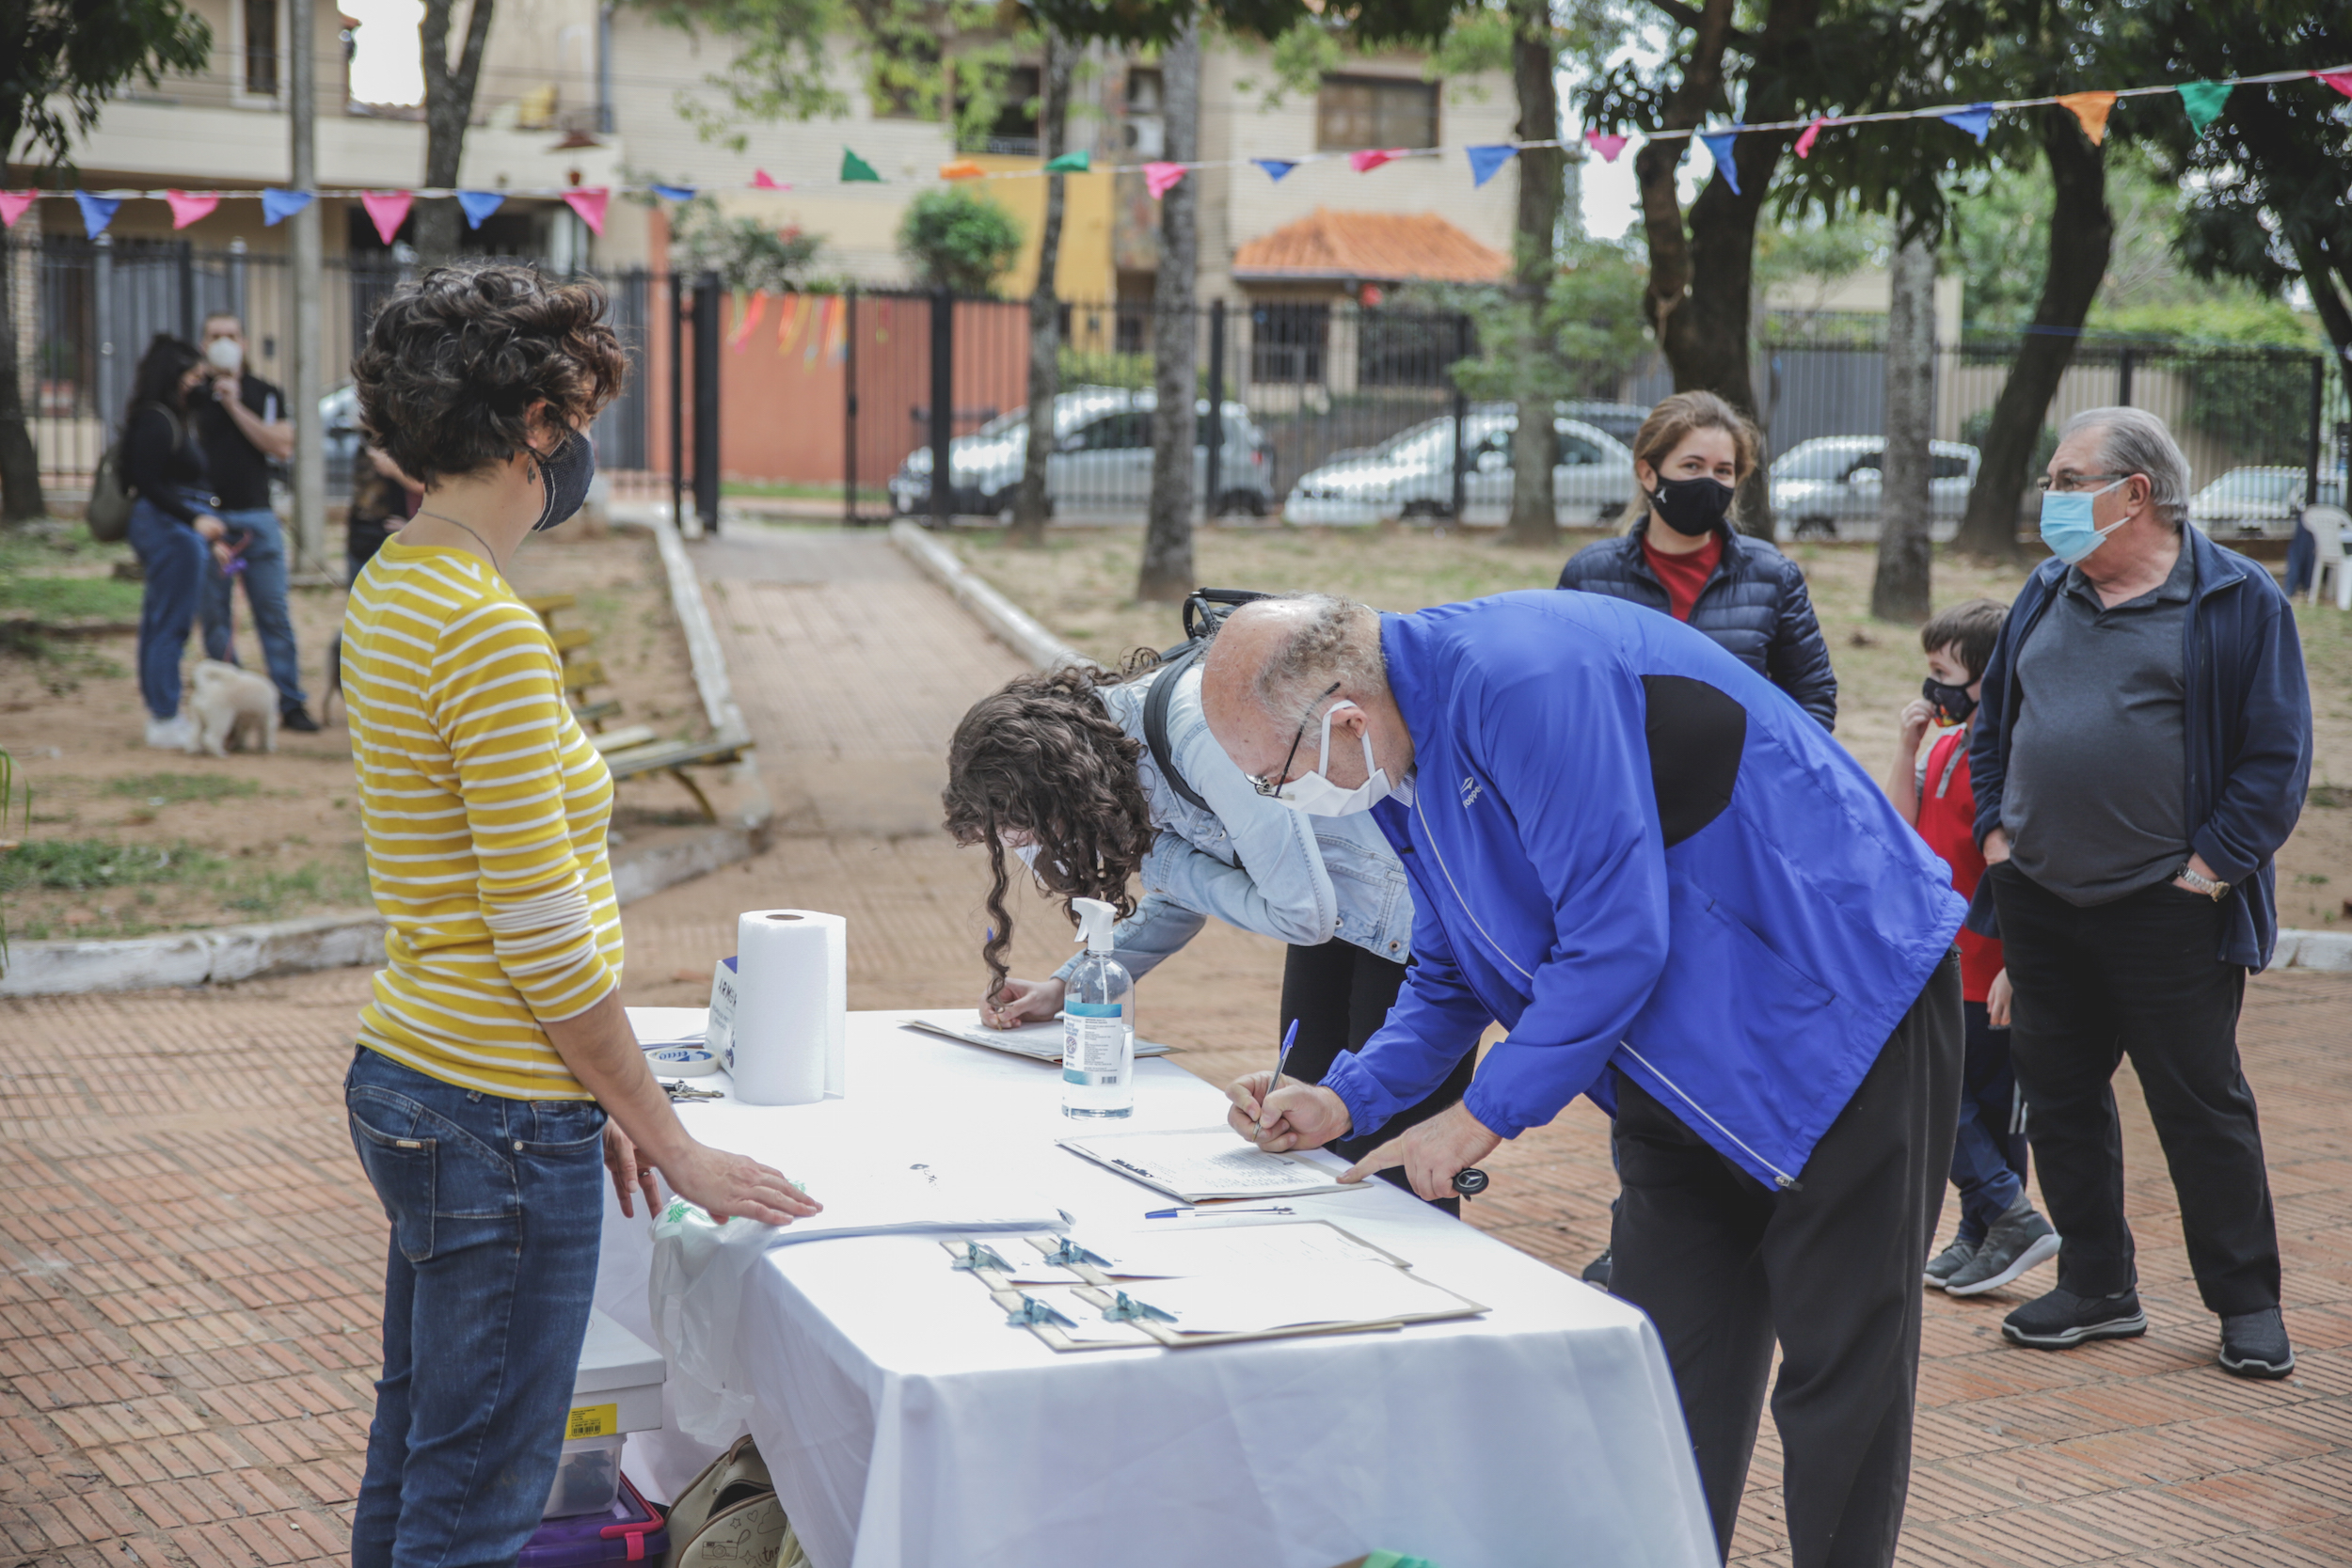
pixel 277 206
pixel 789 322
pixel 855 170
pixel 1486 161
pixel 186 209
pixel 387 210
pixel 12 206
pixel 746 317
pixel 589 201
pixel 1160 179
pixel 478 205
pixel 836 328
pixel 2203 100
pixel 96 212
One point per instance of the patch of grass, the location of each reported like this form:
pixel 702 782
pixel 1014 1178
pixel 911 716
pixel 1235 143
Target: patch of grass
pixel 54 600
pixel 266 893
pixel 171 789
pixel 782 490
pixel 2328 795
pixel 87 864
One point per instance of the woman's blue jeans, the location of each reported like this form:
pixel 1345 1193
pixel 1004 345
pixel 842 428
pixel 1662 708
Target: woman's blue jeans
pixel 173 558
pixel 496 1208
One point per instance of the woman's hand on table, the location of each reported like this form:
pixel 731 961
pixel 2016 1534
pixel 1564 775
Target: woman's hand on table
pixel 1016 1002
pixel 1296 1115
pixel 730 1184
pixel 630 1172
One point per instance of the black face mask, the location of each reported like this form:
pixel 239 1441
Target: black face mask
pixel 1692 507
pixel 566 477
pixel 1952 703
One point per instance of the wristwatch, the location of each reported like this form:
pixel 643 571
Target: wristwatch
pixel 2206 885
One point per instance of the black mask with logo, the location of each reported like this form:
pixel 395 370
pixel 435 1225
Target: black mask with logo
pixel 1692 507
pixel 1952 703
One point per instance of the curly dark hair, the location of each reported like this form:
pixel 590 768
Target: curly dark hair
pixel 1045 758
pixel 454 361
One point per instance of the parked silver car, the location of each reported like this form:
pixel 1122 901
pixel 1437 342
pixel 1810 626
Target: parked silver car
pixel 1830 480
pixel 1412 475
pixel 2258 499
pixel 1102 459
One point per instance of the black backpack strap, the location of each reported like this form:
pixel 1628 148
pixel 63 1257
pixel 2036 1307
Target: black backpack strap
pixel 1155 703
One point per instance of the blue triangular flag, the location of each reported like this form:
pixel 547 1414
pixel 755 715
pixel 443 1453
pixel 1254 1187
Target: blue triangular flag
pixel 277 206
pixel 1275 167
pixel 96 212
pixel 1485 160
pixel 1720 145
pixel 479 205
pixel 1975 120
pixel 675 193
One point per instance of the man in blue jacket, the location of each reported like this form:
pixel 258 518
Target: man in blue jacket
pixel 2143 750
pixel 1680 898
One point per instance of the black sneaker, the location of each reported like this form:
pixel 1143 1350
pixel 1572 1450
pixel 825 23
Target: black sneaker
pixel 1597 1272
pixel 1948 1263
pixel 2019 1239
pixel 2063 1320
pixel 299 720
pixel 2254 1344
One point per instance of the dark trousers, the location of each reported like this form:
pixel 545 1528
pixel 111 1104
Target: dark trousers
pixel 1989 1153
pixel 1725 1265
pixel 2137 977
pixel 175 560
pixel 1341 994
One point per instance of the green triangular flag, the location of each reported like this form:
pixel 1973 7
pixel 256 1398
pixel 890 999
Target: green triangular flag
pixel 2203 100
pixel 1070 163
pixel 855 169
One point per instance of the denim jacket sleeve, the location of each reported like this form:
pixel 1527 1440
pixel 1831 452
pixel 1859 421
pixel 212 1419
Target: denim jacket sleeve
pixel 1158 929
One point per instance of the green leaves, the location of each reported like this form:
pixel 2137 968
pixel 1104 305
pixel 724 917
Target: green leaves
pixel 60 60
pixel 957 240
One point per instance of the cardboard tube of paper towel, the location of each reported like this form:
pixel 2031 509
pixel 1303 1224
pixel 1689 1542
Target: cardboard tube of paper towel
pixel 792 1015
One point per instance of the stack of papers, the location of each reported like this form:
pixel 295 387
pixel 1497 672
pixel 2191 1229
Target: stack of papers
pixel 1235 1250
pixel 1039 1042
pixel 1325 1291
pixel 1206 1162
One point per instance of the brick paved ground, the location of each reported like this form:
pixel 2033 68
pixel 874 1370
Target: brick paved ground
pixel 189 1256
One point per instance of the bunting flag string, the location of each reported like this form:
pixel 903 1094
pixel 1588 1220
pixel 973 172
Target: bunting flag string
pixel 2202 101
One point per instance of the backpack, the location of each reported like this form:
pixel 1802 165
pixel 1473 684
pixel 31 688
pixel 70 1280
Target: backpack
pixel 1204 613
pixel 108 513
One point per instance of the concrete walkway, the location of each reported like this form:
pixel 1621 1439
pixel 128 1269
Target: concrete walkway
pixel 190 1258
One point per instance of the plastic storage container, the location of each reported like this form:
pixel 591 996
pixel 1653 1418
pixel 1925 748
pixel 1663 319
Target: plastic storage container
pixel 618 1387
pixel 628 1531
pixel 587 1477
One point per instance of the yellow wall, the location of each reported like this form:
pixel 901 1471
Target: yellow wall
pixel 1083 270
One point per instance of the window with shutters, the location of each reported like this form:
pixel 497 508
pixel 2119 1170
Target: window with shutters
pixel 1353 112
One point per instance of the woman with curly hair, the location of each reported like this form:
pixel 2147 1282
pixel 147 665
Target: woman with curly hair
pixel 494 1064
pixel 1054 771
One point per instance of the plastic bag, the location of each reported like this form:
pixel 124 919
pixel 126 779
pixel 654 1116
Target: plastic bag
pixel 696 1296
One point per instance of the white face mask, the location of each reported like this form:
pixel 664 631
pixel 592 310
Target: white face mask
pixel 226 354
pixel 1318 795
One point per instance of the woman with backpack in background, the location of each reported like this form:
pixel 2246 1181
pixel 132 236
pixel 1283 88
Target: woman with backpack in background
pixel 1058 770
pixel 173 520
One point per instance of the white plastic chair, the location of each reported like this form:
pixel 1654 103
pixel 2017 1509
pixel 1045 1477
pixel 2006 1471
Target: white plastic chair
pixel 2331 533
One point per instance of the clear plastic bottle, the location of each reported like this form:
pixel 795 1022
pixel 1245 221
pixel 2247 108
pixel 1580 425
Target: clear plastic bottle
pixel 1098 1028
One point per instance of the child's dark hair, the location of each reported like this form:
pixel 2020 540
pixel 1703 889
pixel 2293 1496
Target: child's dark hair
pixel 1972 628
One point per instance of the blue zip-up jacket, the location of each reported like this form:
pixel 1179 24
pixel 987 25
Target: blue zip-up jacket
pixel 1755 604
pixel 1634 852
pixel 2248 710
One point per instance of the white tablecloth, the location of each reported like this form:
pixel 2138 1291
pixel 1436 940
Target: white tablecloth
pixel 908 1427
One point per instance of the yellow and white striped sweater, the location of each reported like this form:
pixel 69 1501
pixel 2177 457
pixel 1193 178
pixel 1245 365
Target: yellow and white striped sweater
pixel 484 809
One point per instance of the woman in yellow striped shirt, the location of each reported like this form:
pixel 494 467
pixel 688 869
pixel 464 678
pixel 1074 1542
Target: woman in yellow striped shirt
pixel 495 1070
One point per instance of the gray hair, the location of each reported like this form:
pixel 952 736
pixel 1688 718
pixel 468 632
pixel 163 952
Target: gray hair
pixel 1327 639
pixel 2134 441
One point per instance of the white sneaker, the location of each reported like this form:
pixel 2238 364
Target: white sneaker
pixel 171 734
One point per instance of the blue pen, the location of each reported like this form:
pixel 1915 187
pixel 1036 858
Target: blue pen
pixel 1288 1037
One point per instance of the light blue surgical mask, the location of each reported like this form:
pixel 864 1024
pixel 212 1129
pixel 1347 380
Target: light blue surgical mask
pixel 2066 525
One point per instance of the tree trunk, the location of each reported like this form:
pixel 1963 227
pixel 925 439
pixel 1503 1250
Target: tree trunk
pixel 20 501
pixel 1536 445
pixel 2082 232
pixel 1700 297
pixel 1030 507
pixel 449 93
pixel 1167 575
pixel 1900 589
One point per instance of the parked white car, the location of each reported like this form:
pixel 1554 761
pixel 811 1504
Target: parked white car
pixel 1830 480
pixel 2261 499
pixel 1102 459
pixel 1412 475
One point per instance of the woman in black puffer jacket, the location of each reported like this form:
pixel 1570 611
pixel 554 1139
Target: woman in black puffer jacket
pixel 1681 555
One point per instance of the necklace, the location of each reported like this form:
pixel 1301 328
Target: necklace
pixel 443 517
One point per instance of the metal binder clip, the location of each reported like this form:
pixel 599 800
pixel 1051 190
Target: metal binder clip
pixel 1126 1306
pixel 681 1090
pixel 1032 1311
pixel 977 1256
pixel 1071 1252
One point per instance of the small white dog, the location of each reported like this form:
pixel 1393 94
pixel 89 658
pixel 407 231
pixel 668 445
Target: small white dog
pixel 233 708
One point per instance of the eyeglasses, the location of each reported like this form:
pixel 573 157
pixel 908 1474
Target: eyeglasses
pixel 2071 482
pixel 1271 783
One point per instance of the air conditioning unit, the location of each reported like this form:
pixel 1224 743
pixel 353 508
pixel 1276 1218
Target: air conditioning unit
pixel 1146 135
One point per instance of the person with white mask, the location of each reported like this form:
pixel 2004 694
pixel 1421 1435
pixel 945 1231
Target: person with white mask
pixel 1680 898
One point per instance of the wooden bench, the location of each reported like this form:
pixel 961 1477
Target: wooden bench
pixel 634 749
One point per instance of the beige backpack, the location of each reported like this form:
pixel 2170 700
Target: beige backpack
pixel 728 1517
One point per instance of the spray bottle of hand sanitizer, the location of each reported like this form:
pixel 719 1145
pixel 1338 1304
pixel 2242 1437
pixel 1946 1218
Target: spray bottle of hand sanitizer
pixel 1098 1029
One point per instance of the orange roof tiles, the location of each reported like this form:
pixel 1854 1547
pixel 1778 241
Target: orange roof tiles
pixel 1385 246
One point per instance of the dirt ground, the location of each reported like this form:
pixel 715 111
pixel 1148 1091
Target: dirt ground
pixel 122 841
pixel 1081 586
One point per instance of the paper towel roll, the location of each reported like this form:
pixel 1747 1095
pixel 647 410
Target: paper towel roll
pixel 791 1017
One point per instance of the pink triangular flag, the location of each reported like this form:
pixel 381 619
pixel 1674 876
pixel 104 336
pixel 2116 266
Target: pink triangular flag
pixel 589 202
pixel 12 205
pixel 1373 157
pixel 1605 144
pixel 186 209
pixel 387 208
pixel 763 181
pixel 2339 80
pixel 1806 136
pixel 1160 179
